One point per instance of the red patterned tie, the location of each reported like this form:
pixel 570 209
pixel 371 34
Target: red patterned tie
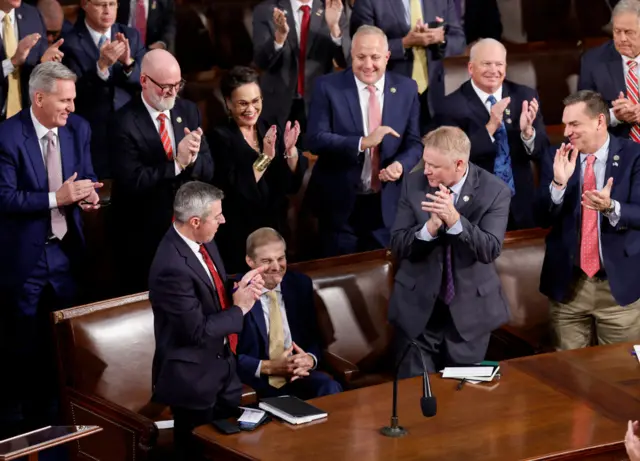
pixel 589 254
pixel 633 95
pixel 375 120
pixel 222 294
pixel 141 21
pixel 164 137
pixel 304 34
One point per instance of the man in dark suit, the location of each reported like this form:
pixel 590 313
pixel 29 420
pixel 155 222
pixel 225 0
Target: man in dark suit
pixel 106 57
pixel 480 19
pixel 55 23
pixel 284 31
pixel 46 179
pixel 612 70
pixel 196 322
pixel 417 42
pixel 156 145
pixel 590 197
pixel 281 327
pixel 354 187
pixel 155 20
pixel 503 121
pixel 451 222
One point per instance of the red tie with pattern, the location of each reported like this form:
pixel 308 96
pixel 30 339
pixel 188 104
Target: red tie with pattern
pixel 164 137
pixel 589 254
pixel 632 93
pixel 304 34
pixel 141 20
pixel 222 294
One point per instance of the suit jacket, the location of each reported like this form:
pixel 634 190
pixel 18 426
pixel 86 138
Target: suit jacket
pixel 464 109
pixel 25 217
pixel 144 176
pixel 253 343
pixel 189 367
pixel 389 15
pixel 482 20
pixel 279 79
pixel 29 22
pixel 97 99
pixel 249 205
pixel 161 21
pixel 479 306
pixel 620 244
pixel 602 70
pixel 334 134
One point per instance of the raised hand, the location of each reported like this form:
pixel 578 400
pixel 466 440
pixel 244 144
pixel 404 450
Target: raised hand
pixel 564 164
pixel 189 147
pixel 73 191
pixel 374 139
pixel 528 116
pixel 53 53
pixel 291 134
pixel 125 56
pixel 109 53
pixel 441 203
pixel 332 12
pixel 599 200
pixel 24 48
pixel 497 114
pixel 281 25
pixel 391 173
pixel 269 142
pixel 249 289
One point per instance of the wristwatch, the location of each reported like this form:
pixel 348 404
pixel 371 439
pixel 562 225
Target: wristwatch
pixel 611 208
pixel 128 68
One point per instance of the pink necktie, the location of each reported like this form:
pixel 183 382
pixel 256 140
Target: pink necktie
pixel 375 120
pixel 141 21
pixel 631 82
pixel 589 254
pixel 54 173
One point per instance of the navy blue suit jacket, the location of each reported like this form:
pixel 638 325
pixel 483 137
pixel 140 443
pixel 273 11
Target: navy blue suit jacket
pixel 335 129
pixel 97 99
pixel 620 244
pixel 253 343
pixel 602 70
pixel 29 22
pixel 25 217
pixel 464 109
pixel 389 15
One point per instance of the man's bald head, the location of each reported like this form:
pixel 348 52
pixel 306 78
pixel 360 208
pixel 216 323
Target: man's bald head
pixel 161 78
pixel 488 64
pixel 157 62
pixel 53 17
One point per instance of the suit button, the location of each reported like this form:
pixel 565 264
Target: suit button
pixel 219 356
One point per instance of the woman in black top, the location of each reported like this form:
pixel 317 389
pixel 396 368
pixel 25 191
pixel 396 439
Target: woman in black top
pixel 255 164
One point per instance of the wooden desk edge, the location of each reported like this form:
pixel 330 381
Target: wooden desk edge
pixel 212 446
pixel 580 453
pixel 30 450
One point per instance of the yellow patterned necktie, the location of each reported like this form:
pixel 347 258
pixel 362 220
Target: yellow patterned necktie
pixel 276 336
pixel 420 72
pixel 14 104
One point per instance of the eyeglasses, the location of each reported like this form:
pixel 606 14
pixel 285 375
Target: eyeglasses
pixel 166 87
pixel 105 5
pixel 53 33
pixel 245 104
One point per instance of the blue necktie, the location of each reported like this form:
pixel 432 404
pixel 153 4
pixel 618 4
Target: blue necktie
pixel 502 165
pixel 103 38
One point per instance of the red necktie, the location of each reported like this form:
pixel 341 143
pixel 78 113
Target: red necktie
pixel 632 93
pixel 304 34
pixel 222 294
pixel 589 254
pixel 375 120
pixel 164 137
pixel 141 21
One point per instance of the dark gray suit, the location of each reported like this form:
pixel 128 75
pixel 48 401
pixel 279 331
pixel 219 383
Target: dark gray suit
pixel 279 79
pixel 457 333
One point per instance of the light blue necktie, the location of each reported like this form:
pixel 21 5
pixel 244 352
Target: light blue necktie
pixel 103 38
pixel 502 165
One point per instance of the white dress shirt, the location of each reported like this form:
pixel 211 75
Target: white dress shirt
pixel 95 36
pixel 363 97
pixel 7 66
pixel 528 144
pixel 423 233
pixel 599 169
pixel 41 133
pixel 625 68
pixel 297 19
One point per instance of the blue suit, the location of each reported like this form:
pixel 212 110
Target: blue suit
pixel 29 22
pixel 620 244
pixel 253 342
pixel 97 99
pixel 335 129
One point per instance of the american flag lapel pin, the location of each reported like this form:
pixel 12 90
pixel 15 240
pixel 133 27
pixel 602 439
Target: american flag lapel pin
pixel 319 12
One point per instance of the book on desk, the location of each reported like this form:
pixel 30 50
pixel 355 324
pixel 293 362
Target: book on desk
pixel 292 409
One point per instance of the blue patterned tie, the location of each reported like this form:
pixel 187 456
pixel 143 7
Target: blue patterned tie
pixel 502 165
pixel 103 38
pixel 447 289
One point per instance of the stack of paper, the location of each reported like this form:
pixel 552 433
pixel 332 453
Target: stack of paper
pixel 472 374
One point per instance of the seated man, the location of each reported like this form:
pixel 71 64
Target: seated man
pixel 280 328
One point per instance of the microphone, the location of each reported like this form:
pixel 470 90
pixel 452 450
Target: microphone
pixel 427 401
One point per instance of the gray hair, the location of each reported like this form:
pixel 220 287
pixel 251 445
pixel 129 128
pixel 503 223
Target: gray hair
pixel 627 6
pixel 370 30
pixel 481 43
pixel 194 199
pixel 45 76
pixel 261 237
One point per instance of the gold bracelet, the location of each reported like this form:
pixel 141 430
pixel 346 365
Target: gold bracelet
pixel 262 162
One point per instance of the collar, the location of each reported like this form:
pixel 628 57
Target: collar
pixel 297 4
pixel 95 35
pixel 11 14
pixel 153 112
pixel 601 154
pixel 41 130
pixel 457 188
pixel 484 96
pixel 363 86
pixel 278 289
pixel 626 59
pixel 195 246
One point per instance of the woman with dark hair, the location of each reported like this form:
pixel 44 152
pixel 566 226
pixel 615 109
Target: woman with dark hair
pixel 255 164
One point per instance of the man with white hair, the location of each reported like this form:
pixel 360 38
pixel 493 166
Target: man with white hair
pixel 156 145
pixel 46 180
pixel 503 121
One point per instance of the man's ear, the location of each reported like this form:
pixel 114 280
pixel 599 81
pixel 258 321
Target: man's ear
pixel 249 262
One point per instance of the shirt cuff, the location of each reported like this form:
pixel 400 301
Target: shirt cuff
pixel 315 361
pixel 530 143
pixel 360 146
pixel 7 68
pixel 277 46
pixel 557 196
pixel 614 120
pixel 53 202
pixel 258 369
pixel 178 168
pixel 456 228
pixel 337 41
pixel 424 235
pixel 614 216
pixel 103 75
pixel 492 138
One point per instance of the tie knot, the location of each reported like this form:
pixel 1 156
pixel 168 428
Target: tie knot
pixel 51 137
pixel 6 20
pixel 372 89
pixel 491 99
pixel 272 296
pixel 305 9
pixel 203 250
pixel 162 117
pixel 591 159
pixel 632 64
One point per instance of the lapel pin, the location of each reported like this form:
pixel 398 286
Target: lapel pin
pixel 465 198
pixel 509 121
pixel 507 111
pixel 19 16
pixel 616 158
pixel 179 120
pixel 319 12
pixel 615 163
pixel 393 89
pixel 154 5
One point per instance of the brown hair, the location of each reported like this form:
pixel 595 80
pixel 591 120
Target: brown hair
pixel 261 237
pixel 593 101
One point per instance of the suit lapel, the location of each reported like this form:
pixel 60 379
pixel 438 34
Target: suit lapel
pixel 315 24
pixel 468 192
pixel 178 124
pixel 32 148
pixel 87 42
pixel 475 103
pixel 611 170
pixel 66 151
pixel 22 32
pixel 147 128
pixel 616 71
pixel 191 259
pixel 353 101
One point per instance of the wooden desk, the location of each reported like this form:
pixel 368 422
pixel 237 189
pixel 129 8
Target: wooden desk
pixel 560 406
pixel 32 443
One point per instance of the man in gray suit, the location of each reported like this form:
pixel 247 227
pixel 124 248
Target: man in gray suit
pixel 296 41
pixel 451 221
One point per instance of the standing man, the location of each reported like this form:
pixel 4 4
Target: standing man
pixel 421 34
pixel 155 20
pixel 449 230
pixel 156 145
pixel 590 196
pixel 296 41
pixel 46 179
pixel 106 57
pixel 196 320
pixel 364 129
pixel 504 123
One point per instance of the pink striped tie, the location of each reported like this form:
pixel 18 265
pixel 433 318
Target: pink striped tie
pixel 589 253
pixel 633 95
pixel 164 137
pixel 375 120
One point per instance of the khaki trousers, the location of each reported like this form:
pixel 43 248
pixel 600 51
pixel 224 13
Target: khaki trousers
pixel 593 317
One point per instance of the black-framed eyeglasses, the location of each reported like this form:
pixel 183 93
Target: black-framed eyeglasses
pixel 53 33
pixel 169 86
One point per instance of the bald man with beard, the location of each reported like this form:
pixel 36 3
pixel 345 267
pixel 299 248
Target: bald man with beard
pixel 156 145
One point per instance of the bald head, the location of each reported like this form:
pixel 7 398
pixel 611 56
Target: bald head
pixel 157 62
pixel 160 77
pixel 53 17
pixel 488 64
